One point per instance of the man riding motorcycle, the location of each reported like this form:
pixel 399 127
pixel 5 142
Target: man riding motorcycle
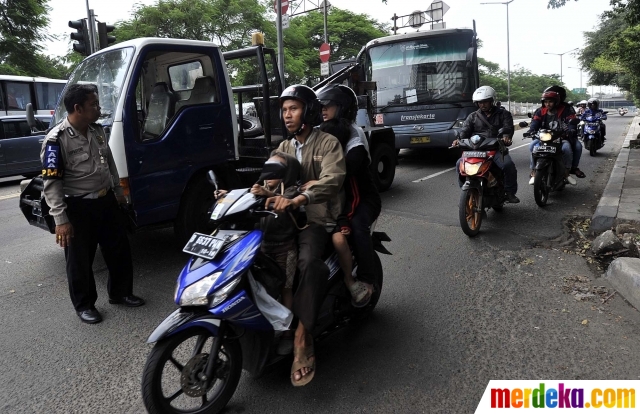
pixel 594 110
pixel 582 106
pixel 488 119
pixel 554 109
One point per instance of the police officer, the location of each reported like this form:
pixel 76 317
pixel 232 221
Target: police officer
pixel 82 188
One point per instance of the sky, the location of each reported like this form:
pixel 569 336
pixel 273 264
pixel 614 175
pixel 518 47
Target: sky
pixel 533 29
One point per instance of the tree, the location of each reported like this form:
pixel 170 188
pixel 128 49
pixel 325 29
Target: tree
pixel 22 28
pixel 225 22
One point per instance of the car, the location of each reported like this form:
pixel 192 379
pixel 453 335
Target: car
pixel 20 146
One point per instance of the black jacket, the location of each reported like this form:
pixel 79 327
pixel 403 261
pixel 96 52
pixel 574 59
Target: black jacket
pixel 499 118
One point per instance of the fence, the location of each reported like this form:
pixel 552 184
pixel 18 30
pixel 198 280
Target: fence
pixel 521 108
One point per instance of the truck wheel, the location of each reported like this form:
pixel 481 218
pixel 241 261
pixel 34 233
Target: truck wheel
pixel 383 166
pixel 194 208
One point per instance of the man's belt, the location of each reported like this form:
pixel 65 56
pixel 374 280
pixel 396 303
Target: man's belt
pixel 91 196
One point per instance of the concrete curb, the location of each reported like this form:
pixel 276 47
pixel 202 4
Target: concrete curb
pixel 607 211
pixel 624 275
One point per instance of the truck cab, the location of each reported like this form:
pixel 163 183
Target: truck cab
pixel 169 112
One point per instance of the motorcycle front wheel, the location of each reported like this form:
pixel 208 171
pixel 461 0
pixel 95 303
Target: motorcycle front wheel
pixel 173 377
pixel 595 144
pixel 469 213
pixel 540 187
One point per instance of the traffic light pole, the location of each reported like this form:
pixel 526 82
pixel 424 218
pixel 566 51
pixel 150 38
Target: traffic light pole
pixel 280 41
pixel 92 32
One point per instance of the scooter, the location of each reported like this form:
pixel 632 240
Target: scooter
pixel 592 132
pixel 483 186
pixel 220 313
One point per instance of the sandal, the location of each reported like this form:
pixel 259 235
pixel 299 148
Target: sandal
pixel 302 355
pixel 576 171
pixel 360 294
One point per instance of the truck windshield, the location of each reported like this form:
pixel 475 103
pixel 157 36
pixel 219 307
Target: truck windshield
pixel 427 70
pixel 107 71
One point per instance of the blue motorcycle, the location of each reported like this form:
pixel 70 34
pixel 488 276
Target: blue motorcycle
pixel 591 132
pixel 218 312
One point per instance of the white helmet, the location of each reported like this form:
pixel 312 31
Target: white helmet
pixel 482 93
pixel 582 102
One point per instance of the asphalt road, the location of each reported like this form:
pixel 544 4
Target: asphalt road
pixel 455 312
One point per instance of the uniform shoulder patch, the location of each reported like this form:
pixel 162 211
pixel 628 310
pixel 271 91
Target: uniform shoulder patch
pixel 52 165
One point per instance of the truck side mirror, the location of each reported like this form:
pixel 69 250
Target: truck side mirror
pixel 31 119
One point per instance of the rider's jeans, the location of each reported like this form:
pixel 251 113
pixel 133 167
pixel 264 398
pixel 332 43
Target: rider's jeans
pixel 507 166
pixel 567 154
pixel 577 153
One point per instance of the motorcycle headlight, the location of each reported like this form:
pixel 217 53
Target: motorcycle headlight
pixel 220 295
pixel 196 294
pixel 545 136
pixel 471 169
pixel 475 140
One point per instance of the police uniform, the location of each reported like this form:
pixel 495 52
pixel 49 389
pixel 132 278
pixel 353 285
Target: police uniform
pixel 80 186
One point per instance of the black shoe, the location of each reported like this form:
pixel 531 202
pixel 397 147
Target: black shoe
pixel 129 301
pixel 511 198
pixel 90 316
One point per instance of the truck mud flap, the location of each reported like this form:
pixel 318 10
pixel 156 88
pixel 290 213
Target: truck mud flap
pixel 35 208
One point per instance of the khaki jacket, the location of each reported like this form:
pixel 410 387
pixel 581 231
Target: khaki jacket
pixel 322 160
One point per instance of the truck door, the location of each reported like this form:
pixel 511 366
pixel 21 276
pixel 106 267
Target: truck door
pixel 177 125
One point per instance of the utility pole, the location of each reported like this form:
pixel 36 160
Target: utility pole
pixel 561 54
pixel 280 42
pixel 325 21
pixel 91 30
pixel 508 53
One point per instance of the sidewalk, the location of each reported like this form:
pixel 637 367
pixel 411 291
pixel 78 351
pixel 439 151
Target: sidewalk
pixel 620 201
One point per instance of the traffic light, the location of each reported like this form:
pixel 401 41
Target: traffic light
pixel 103 34
pixel 81 35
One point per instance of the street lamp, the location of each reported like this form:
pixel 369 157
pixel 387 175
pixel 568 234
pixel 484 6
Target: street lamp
pixel 508 55
pixel 580 69
pixel 560 54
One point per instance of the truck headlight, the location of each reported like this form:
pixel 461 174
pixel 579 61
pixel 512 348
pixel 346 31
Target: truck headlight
pixel 196 294
pixel 459 123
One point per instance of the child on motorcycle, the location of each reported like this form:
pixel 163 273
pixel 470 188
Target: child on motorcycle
pixel 279 233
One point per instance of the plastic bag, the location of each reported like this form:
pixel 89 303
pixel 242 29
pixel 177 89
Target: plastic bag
pixel 278 315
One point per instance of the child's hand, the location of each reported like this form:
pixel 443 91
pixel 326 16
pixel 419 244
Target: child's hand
pixel 345 231
pixel 259 190
pixel 219 194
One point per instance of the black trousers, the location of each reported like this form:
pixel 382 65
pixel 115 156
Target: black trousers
pixel 363 217
pixel 314 274
pixel 97 222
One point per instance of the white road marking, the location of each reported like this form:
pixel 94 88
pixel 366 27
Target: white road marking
pixel 6 197
pixel 428 177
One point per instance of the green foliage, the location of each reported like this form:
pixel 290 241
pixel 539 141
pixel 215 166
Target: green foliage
pixel 22 28
pixel 525 86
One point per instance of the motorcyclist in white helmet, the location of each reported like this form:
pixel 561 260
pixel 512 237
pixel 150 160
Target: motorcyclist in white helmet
pixel 498 118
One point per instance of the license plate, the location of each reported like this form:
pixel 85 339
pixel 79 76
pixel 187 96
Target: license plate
pixel 203 245
pixel 546 149
pixel 419 140
pixel 474 154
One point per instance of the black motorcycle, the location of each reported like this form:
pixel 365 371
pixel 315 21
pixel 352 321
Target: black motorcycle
pixel 547 160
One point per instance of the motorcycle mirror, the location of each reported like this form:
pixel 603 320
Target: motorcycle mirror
pixel 605 112
pixel 211 177
pixel 523 124
pixel 529 115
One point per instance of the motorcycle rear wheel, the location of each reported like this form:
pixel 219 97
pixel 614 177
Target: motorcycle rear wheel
pixel 190 396
pixel 540 188
pixel 468 212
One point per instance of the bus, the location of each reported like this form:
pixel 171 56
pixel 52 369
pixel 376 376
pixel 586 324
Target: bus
pixel 17 91
pixel 424 84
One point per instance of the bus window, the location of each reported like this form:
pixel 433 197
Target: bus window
pixel 48 94
pixel 18 95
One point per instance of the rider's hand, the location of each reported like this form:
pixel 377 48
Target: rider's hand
pixel 218 194
pixel 507 140
pixel 305 186
pixel 280 204
pixel 64 234
pixel 455 143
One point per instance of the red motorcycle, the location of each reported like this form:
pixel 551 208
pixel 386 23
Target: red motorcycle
pixel 483 186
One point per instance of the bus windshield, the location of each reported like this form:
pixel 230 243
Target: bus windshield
pixel 107 71
pixel 428 70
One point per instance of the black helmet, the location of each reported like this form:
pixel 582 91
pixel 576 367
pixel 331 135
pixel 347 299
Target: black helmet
pixel 343 97
pixel 562 93
pixel 308 97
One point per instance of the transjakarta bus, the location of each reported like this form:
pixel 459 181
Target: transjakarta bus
pixel 425 81
pixel 17 91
